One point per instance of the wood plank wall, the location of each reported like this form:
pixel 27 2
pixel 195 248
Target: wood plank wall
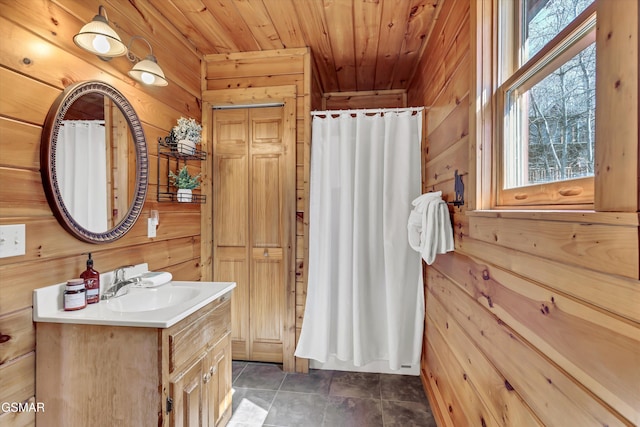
pixel 534 319
pixel 393 98
pixel 38 59
pixel 267 69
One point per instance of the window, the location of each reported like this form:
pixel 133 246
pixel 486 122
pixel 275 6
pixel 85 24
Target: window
pixel 546 102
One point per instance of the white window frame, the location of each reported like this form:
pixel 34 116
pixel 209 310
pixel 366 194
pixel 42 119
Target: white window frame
pixel 566 194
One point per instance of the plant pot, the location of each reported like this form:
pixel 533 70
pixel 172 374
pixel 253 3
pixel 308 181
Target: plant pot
pixel 187 147
pixel 185 195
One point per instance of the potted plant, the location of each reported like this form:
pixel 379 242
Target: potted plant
pixel 184 182
pixel 188 134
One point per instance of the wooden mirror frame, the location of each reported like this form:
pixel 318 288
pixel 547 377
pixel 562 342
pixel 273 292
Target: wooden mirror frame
pixel 48 162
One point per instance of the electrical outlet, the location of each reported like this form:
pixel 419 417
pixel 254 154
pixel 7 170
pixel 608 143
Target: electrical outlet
pixel 12 240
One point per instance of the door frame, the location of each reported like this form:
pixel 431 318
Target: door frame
pixel 250 97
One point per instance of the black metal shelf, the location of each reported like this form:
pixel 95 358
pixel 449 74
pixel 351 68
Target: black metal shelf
pixel 168 150
pixel 173 197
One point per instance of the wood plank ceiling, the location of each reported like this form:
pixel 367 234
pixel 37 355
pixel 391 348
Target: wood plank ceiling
pixel 356 45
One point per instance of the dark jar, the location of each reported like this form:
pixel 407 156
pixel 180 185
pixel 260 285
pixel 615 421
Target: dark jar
pixel 75 295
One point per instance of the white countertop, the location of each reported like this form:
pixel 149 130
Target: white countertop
pixel 48 305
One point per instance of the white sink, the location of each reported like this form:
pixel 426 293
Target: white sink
pixel 159 307
pixel 148 299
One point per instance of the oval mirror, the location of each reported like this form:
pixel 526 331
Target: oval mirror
pixel 93 162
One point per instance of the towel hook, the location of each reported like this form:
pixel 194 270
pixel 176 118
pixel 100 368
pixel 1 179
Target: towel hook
pixel 459 190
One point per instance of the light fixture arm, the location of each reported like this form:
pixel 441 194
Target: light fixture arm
pixel 102 14
pixel 130 55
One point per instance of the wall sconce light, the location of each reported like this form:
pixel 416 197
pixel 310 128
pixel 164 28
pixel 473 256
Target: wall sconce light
pixel 100 39
pixel 146 71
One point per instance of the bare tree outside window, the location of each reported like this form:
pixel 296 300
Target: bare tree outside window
pixel 556 122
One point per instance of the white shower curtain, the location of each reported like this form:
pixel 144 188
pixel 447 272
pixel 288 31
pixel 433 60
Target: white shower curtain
pixel 365 299
pixel 81 168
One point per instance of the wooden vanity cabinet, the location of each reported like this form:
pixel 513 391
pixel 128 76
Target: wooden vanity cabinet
pixel 137 376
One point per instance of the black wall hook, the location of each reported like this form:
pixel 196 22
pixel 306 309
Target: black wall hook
pixel 459 189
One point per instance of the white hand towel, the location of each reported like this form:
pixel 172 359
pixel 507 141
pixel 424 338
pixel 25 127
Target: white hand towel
pixel 425 198
pixel 152 279
pixel 445 240
pixel 417 219
pixel 429 226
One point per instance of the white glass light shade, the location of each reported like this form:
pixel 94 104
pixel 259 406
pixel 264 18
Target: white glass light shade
pixel 148 72
pixel 100 39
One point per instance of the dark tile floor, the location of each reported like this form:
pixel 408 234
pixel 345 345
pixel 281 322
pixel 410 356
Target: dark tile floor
pixel 264 395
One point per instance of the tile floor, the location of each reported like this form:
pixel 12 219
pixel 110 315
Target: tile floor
pixel 264 395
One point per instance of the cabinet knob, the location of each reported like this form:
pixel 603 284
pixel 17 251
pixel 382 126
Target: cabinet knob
pixel 206 377
pixel 266 252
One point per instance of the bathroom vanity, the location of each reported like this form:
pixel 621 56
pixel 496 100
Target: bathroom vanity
pixel 143 359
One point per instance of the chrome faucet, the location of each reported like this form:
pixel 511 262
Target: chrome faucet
pixel 119 285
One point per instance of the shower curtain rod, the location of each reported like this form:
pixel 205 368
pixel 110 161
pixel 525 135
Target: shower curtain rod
pixel 367 111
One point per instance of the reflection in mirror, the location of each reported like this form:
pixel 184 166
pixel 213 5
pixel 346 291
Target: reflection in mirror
pixel 94 162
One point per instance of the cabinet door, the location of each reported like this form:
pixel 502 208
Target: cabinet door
pixel 186 391
pixel 217 385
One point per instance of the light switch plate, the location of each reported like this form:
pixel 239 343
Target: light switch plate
pixel 151 228
pixel 12 240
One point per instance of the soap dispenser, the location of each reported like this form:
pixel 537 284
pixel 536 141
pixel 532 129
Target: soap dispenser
pixel 91 282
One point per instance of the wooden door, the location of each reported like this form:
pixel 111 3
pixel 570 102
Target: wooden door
pixel 231 217
pixel 267 271
pixel 252 225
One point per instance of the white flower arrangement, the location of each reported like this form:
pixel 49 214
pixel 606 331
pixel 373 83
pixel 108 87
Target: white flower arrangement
pixel 187 129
